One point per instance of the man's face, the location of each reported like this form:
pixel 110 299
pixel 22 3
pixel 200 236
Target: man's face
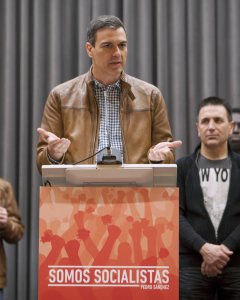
pixel 109 54
pixel 213 126
pixel 235 136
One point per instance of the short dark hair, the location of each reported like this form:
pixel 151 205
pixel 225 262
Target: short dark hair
pixel 216 101
pixel 104 21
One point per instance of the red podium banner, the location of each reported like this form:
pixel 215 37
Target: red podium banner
pixel 111 243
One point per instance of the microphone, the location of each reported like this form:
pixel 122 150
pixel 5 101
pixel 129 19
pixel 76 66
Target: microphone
pixel 109 155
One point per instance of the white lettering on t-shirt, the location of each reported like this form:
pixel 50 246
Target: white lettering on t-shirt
pixel 215 185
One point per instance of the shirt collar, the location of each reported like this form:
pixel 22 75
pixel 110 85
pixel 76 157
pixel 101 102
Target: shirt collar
pixel 99 85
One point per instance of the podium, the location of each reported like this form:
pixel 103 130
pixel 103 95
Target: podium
pixel 108 232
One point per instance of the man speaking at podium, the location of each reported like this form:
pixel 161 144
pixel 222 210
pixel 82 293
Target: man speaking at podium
pixel 105 108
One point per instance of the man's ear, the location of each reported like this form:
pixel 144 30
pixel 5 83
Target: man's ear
pixel 197 128
pixel 88 47
pixel 231 127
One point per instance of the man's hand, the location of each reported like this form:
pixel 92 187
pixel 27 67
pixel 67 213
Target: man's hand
pixel 3 217
pixel 215 258
pixel 161 151
pixel 56 146
pixel 210 271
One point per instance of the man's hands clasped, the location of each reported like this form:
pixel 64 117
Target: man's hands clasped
pixel 215 258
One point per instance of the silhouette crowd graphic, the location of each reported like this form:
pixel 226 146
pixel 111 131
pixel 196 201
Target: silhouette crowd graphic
pixel 108 243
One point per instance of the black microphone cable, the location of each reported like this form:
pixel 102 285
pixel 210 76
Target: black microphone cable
pixel 78 162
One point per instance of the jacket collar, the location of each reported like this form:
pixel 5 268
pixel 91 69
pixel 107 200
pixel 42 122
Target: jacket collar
pixel 125 85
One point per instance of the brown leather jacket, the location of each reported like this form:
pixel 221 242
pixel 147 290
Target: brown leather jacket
pixel 71 111
pixel 12 232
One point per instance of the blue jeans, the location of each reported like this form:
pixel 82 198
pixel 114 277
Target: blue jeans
pixel 193 285
pixel 1 294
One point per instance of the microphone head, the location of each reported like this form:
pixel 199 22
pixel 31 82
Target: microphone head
pixel 109 156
